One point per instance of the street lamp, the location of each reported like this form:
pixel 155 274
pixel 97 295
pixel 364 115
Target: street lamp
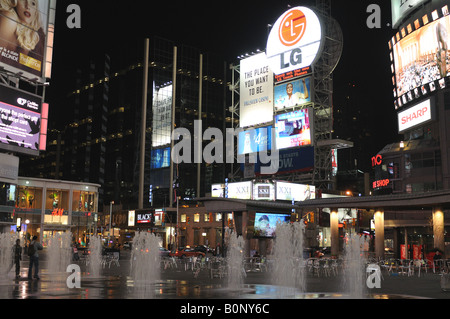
pixel 110 217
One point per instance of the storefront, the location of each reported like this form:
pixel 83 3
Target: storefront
pixel 45 207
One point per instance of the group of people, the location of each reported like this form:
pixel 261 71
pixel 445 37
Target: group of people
pixel 32 251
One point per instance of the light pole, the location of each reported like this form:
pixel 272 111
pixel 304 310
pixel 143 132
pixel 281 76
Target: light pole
pixel 110 218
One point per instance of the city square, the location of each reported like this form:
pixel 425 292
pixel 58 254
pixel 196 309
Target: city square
pixel 239 162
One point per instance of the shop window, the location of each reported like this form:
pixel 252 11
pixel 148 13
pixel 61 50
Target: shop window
pixel 29 198
pixel 57 199
pixel 84 201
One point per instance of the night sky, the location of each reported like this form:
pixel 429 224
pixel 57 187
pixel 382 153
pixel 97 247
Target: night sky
pixel 229 28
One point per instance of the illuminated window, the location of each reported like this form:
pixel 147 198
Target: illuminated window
pixel 196 218
pixel 183 218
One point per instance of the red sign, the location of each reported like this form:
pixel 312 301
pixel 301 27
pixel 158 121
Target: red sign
pixel 377 160
pixel 381 183
pixel 57 212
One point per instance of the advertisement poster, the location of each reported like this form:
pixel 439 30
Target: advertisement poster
pixel 23 36
pixel 266 224
pixel 293 129
pixel 292 94
pixel 162 115
pixel 422 57
pixel 253 141
pixel 20 120
pixel 256 91
pixel 160 158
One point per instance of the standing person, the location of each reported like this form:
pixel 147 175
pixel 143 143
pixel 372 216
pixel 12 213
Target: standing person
pixel 33 248
pixel 17 257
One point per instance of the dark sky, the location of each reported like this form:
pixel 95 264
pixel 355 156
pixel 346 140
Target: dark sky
pixel 230 28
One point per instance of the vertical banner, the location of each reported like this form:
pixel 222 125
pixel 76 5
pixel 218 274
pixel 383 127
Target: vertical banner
pixel 256 91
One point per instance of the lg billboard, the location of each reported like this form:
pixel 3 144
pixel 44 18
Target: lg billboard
pixel 295 40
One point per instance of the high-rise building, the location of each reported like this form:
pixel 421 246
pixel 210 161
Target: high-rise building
pixel 97 137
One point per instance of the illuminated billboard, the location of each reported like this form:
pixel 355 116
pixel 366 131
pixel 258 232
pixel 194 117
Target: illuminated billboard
pixel 420 58
pixel 162 115
pixel 266 224
pixel 414 116
pixel 293 129
pixel 20 120
pixel 296 192
pixel 292 94
pixel 295 40
pixel 401 8
pixel 255 140
pixel 23 36
pixel 160 158
pixel 263 191
pixel 256 91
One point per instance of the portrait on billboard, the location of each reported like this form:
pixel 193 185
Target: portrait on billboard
pixel 422 56
pixel 293 129
pixel 292 94
pixel 23 25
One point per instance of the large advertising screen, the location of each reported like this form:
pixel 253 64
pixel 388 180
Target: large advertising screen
pixel 401 8
pixel 421 60
pixel 256 91
pixel 162 115
pixel 297 192
pixel 20 120
pixel 290 161
pixel 266 224
pixel 160 158
pixel 293 129
pixel 292 94
pixel 255 140
pixel 23 36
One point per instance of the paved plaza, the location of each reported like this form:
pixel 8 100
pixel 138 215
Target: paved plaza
pixel 181 282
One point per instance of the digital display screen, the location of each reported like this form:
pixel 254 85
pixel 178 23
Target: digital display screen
pixel 266 223
pixel 160 158
pixel 293 129
pixel 421 61
pixel 256 140
pixel 20 120
pixel 292 94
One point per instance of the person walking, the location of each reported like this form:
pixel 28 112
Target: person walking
pixel 17 257
pixel 33 248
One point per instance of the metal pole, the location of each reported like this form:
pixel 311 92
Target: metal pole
pixel 200 139
pixel 143 126
pixel 172 144
pixel 110 218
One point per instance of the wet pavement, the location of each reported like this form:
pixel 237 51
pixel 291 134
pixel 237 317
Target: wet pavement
pixel 115 282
